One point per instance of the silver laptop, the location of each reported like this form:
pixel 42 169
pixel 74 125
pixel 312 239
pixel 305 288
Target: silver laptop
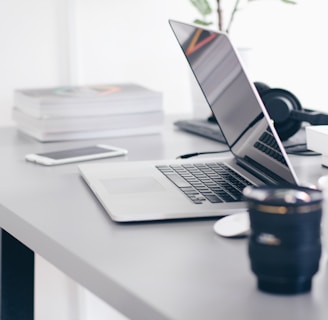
pixel 140 191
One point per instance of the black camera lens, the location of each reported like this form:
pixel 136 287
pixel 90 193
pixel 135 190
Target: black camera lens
pixel 284 244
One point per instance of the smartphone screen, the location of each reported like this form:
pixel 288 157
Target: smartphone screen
pixel 75 155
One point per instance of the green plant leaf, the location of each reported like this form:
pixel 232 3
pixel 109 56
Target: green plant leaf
pixel 202 22
pixel 285 1
pixel 289 1
pixel 203 6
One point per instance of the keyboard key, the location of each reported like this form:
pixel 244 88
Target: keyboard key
pixel 213 198
pixel 178 180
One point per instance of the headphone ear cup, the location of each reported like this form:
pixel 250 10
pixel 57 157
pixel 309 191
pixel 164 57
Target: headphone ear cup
pixel 261 87
pixel 279 104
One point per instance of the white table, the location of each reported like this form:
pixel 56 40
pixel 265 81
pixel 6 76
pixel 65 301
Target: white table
pixel 157 270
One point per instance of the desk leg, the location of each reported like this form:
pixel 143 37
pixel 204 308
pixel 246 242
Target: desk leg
pixel 17 279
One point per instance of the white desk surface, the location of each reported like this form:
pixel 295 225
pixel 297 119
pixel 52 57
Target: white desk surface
pixel 157 270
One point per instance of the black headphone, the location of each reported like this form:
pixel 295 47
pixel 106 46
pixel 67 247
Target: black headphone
pixel 286 110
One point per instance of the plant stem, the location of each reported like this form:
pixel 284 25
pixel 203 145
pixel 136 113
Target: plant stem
pixel 220 15
pixel 235 9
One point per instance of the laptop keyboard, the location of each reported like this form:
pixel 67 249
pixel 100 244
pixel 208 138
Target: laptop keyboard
pixel 268 144
pixel 213 182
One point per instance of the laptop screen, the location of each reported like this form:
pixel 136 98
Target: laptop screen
pixel 233 99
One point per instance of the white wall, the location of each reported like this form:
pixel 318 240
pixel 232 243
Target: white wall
pixel 56 42
pixel 132 41
pixel 110 41
pixel 289 46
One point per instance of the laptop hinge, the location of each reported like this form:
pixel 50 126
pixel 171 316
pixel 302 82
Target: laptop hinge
pixel 260 172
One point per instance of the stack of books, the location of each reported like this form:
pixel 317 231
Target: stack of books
pixel 86 112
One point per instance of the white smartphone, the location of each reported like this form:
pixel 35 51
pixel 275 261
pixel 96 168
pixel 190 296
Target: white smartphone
pixel 75 155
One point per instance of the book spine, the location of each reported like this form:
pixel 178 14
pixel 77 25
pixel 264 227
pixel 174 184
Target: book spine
pixel 89 123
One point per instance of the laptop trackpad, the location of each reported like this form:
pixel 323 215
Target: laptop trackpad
pixel 132 185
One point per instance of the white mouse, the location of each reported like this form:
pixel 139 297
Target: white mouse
pixel 235 225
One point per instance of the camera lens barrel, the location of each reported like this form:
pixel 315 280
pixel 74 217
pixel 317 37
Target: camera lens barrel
pixel 284 244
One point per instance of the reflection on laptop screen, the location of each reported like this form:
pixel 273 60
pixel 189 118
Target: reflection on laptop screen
pixel 234 101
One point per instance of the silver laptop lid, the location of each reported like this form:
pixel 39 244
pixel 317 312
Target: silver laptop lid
pixel 235 103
